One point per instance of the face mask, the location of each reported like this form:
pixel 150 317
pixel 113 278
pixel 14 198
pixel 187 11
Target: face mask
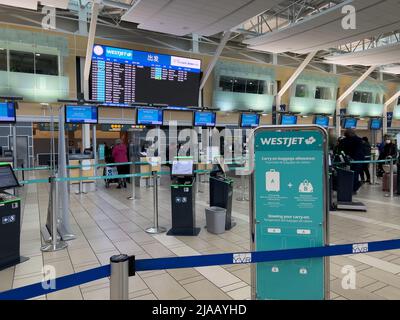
pixel 388 141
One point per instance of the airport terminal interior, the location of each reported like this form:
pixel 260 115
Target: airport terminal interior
pixel 231 132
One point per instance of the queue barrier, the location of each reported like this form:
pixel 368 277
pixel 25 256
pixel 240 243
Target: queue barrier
pixel 80 278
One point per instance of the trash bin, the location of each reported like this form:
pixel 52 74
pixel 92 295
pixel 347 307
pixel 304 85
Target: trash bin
pixel 215 220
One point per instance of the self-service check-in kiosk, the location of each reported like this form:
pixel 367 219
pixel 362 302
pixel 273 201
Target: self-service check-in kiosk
pixel 183 199
pixel 221 192
pixel 10 219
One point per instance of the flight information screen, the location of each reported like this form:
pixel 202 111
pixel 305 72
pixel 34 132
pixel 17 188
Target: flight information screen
pixel 204 119
pixel 149 116
pixel 350 123
pixel 123 76
pixel 288 119
pixel 322 121
pixel 249 120
pixel 7 112
pixel 81 114
pixel 376 124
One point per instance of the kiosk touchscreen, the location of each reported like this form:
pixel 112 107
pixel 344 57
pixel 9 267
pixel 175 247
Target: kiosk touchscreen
pixel 7 112
pixel 287 119
pixel 376 124
pixel 10 219
pixel 183 199
pixel 149 116
pixel 249 120
pixel 81 114
pixel 322 121
pixel 205 119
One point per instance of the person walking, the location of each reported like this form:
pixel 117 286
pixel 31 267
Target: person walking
pixel 120 155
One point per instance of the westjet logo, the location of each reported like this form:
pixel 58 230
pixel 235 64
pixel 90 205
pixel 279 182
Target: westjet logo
pixel 288 142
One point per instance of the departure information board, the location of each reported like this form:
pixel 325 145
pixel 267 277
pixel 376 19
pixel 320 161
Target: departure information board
pixel 122 76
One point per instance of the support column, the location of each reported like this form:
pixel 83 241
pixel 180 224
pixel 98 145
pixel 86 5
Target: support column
pixel 195 43
pixel 85 136
pixel 89 48
pixel 293 78
pixel 393 99
pixel 347 93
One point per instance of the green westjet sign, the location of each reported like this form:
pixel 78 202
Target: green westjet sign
pixel 290 209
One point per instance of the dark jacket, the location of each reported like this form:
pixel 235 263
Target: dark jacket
pixel 367 150
pixel 389 150
pixel 353 147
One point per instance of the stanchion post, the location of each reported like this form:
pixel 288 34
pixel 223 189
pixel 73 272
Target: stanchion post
pixel 156 229
pixel 135 193
pixel 119 279
pixel 373 169
pixel 391 178
pixel 56 243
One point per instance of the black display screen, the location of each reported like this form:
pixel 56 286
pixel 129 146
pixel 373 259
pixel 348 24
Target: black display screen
pixel 120 77
pixel 7 178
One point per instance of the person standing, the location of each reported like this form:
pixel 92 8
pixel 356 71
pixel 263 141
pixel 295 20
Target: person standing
pixel 367 157
pixel 120 155
pixel 389 151
pixel 352 146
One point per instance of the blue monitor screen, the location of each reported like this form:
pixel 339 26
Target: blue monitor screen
pixel 288 119
pixel 7 112
pixel 148 116
pixel 204 119
pixel 376 124
pixel 81 114
pixel 350 123
pixel 322 121
pixel 249 120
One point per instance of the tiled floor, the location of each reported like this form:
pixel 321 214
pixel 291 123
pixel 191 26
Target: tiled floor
pixel 106 223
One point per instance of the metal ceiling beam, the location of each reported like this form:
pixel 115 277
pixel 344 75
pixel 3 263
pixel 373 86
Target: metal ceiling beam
pixel 215 58
pixel 347 93
pixel 293 78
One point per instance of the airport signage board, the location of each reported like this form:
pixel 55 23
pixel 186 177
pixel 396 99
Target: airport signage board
pixel 290 210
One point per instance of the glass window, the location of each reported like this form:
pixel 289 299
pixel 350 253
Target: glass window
pixel 323 93
pixel 226 83
pixel 366 97
pixel 261 87
pixel 357 96
pixel 301 90
pixel 252 86
pixel 46 64
pixel 3 59
pixel 239 85
pixel 21 61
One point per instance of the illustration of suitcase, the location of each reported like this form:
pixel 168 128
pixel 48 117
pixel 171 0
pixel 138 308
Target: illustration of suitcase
pixel 273 183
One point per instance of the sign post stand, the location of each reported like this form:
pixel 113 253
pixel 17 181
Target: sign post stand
pixel 289 209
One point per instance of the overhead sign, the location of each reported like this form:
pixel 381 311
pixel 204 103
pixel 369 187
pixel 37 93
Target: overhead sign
pixel 290 209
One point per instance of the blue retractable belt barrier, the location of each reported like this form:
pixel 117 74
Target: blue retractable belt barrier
pixel 65 282
pixel 80 278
